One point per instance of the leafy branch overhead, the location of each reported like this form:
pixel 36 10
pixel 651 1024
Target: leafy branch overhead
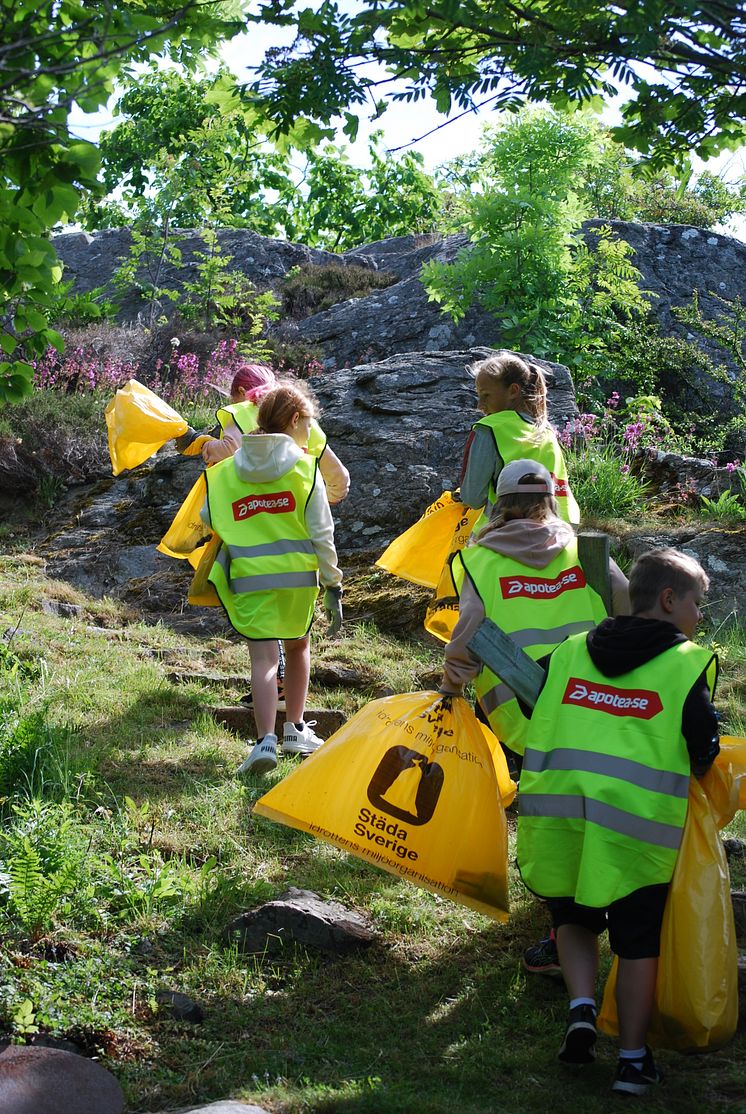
pixel 471 53
pixel 53 56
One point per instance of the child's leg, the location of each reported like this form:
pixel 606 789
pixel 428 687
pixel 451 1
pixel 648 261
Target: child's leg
pixel 578 954
pixel 634 934
pixel 264 658
pixel 635 993
pixel 578 928
pixel 297 675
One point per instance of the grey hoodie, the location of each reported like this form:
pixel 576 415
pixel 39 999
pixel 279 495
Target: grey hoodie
pixel 264 457
pixel 534 544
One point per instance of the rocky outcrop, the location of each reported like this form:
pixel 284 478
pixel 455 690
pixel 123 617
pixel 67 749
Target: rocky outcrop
pixel 674 260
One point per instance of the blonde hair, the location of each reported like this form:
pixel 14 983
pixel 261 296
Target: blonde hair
pixel 508 368
pixel 277 408
pixel 660 569
pixel 531 505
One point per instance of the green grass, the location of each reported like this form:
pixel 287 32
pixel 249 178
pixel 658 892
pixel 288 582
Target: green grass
pixel 151 850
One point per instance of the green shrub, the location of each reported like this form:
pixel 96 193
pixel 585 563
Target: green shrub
pixel 601 485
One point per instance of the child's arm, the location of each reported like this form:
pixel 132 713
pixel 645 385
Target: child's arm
pixel 223 447
pixel 336 476
pixel 460 666
pixel 700 727
pixel 321 531
pixel 482 465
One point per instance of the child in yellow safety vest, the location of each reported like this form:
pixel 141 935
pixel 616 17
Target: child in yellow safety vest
pixel 512 395
pixel 268 504
pixel 524 574
pixel 250 385
pixel 624 716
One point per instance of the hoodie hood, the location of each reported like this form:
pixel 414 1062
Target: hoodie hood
pixel 535 544
pixel 619 645
pixel 264 457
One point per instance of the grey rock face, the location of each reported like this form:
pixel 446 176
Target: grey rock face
pixel 301 917
pixel 91 259
pixel 674 260
pixel 400 426
pixel 722 554
pixel 228 1107
pixel 36 1080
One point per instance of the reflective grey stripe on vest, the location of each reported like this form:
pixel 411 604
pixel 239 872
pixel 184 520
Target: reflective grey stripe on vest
pixel 537 637
pixel 495 697
pixel 626 769
pixel 271 549
pixel 270 581
pixel 576 807
pixel 266 580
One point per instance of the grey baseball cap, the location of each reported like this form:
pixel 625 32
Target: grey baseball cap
pixel 508 482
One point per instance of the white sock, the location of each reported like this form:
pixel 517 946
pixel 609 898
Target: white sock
pixel 583 1002
pixel 633 1056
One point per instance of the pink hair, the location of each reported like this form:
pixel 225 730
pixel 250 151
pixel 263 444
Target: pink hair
pixel 256 379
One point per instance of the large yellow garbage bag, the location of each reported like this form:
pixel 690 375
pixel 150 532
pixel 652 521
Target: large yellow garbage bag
pixel 408 784
pixel 421 551
pixel 187 535
pixel 443 610
pixel 138 424
pixel 696 993
pixel 202 592
pixel 732 759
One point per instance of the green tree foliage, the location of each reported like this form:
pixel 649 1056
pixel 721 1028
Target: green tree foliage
pixel 469 53
pixel 54 55
pixel 190 152
pixel 527 263
pixel 619 187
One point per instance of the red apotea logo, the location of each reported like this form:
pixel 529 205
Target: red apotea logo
pixel 542 587
pixel 641 703
pixel 560 486
pixel 278 502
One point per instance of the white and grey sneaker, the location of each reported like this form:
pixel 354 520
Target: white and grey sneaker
pixel 297 740
pixel 261 758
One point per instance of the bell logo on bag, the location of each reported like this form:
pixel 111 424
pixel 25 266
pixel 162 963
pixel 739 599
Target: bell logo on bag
pixel 406 785
pixel 412 785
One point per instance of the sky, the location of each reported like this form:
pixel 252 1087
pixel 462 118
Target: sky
pixel 403 124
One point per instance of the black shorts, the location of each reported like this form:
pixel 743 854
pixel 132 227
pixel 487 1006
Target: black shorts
pixel 634 922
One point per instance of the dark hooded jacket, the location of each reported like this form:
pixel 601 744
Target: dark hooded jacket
pixel 627 642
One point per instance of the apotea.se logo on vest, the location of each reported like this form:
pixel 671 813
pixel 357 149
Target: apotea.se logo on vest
pixel 641 703
pixel 542 587
pixel 275 502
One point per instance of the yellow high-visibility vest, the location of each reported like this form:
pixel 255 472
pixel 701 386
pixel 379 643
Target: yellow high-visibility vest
pixel 266 573
pixel 605 776
pixel 243 414
pixel 517 438
pixel 538 608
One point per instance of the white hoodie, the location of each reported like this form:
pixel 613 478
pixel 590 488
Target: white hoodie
pixel 264 457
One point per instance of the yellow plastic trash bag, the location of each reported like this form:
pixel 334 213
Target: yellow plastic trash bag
pixel 732 758
pixel 696 993
pixel 421 551
pixel 202 591
pixel 409 785
pixel 443 610
pixel 187 534
pixel 138 424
